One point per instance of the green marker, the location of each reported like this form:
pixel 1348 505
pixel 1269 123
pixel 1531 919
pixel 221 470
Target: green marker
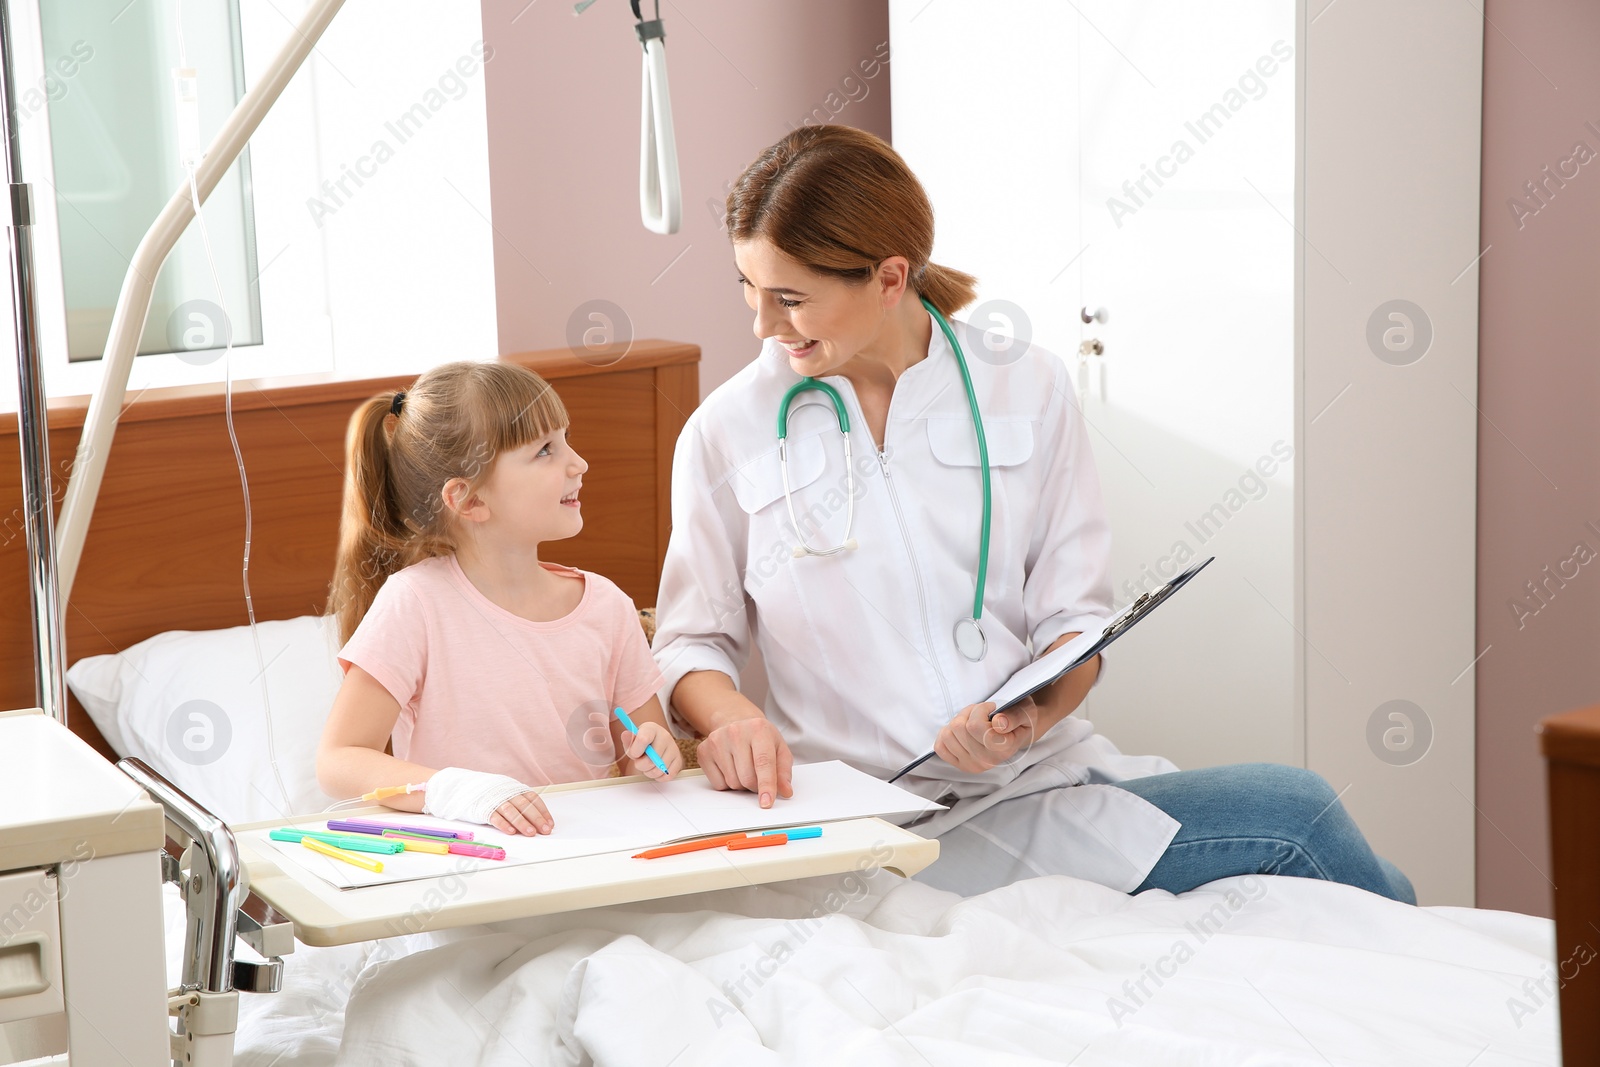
pixel 353 842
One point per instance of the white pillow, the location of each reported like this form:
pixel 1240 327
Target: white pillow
pixel 190 705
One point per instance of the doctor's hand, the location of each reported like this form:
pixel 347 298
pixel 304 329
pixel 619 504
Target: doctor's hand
pixel 748 754
pixel 971 743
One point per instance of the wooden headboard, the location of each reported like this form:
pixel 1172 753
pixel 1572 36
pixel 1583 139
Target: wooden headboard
pixel 166 543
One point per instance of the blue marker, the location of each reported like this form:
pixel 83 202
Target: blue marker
pixel 649 750
pixel 796 833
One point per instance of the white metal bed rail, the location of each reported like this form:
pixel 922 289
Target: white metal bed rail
pixel 217 909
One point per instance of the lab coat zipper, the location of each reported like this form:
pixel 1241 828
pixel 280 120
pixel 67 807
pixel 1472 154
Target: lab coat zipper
pixel 916 573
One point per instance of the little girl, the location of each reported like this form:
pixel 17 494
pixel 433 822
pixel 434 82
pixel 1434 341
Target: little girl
pixel 460 644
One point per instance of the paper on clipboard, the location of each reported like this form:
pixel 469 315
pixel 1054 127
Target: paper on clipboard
pixel 1047 668
pixel 1053 665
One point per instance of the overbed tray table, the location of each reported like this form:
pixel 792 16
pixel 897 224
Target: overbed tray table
pixel 324 915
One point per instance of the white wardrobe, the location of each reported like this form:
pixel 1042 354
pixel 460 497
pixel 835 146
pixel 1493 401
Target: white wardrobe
pixel 1250 227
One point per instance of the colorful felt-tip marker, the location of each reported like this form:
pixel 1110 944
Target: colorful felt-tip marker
pixel 355 859
pixel 369 826
pixel 759 841
pixel 407 835
pixel 351 842
pixel 482 852
pixel 688 846
pixel 420 844
pixel 649 750
pixel 797 833
pixel 458 848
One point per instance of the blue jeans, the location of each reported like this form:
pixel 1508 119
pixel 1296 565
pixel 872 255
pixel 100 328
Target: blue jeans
pixel 1261 818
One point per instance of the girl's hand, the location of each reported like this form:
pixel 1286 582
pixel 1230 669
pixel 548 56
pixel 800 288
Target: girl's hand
pixel 652 733
pixel 523 814
pixel 971 743
pixel 748 754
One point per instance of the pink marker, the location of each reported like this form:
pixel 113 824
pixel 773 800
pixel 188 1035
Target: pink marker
pixel 484 852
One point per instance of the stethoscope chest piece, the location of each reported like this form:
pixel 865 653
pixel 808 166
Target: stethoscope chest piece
pixel 970 641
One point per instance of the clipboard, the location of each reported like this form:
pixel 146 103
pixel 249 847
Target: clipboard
pixel 1121 623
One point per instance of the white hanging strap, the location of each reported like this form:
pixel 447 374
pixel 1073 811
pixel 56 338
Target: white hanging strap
pixel 660 197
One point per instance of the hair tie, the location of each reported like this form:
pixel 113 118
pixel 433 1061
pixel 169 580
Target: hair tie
pixel 397 403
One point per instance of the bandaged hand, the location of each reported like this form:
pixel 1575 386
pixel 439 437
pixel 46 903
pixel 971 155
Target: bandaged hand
pixel 639 761
pixel 491 799
pixel 970 742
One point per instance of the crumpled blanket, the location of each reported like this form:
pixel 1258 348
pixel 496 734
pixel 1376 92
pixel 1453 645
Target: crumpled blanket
pixel 867 968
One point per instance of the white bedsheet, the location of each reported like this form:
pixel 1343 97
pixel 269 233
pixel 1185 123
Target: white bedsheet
pixel 1251 970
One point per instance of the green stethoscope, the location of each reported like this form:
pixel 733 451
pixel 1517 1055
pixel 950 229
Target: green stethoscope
pixel 968 631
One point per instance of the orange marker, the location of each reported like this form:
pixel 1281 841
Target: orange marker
pixel 764 841
pixel 690 846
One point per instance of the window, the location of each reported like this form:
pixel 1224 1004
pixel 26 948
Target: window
pixel 300 266
pixel 115 138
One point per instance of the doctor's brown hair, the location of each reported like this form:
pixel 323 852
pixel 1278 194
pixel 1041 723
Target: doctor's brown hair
pixel 401 449
pixel 840 201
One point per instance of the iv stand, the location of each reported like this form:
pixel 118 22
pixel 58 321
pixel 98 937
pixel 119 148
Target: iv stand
pixel 38 497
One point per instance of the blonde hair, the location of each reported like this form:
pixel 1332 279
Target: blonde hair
pixel 841 201
pixel 451 423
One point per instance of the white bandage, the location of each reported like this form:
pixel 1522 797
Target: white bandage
pixel 468 796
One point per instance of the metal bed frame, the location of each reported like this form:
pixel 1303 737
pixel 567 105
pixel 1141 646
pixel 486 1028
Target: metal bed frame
pixel 218 906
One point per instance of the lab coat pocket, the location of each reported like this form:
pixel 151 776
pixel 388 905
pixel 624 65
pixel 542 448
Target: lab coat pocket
pixel 757 483
pixel 954 442
pixel 957 477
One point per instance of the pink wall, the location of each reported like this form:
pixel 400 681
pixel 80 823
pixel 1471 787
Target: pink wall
pixel 1539 439
pixel 563 108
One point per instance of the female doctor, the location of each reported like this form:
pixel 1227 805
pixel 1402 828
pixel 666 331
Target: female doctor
pixel 828 506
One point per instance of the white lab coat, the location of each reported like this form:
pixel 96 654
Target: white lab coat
pixel 859 647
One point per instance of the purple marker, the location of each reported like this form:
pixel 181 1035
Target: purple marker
pixel 366 826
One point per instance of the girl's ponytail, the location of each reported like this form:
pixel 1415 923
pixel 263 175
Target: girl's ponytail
pixel 372 538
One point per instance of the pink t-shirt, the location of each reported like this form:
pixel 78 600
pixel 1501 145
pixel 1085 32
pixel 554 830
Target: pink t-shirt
pixel 482 688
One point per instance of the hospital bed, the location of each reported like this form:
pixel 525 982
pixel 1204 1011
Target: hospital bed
pixel 887 970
